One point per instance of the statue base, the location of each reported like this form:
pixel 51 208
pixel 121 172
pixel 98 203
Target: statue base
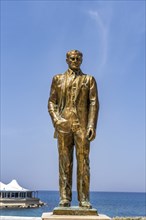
pixel 74 210
pixel 74 213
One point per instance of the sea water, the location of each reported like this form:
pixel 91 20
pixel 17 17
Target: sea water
pixel 109 203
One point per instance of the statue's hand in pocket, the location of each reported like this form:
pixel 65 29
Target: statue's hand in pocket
pixel 62 125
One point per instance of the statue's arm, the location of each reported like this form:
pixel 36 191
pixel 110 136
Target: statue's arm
pixel 53 102
pixel 93 109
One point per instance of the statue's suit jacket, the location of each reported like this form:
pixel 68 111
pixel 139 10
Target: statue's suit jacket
pixel 86 99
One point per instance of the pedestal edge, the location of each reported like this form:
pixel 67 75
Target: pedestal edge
pixel 50 216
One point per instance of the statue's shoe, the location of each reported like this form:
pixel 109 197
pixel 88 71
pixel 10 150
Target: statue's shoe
pixel 85 204
pixel 64 203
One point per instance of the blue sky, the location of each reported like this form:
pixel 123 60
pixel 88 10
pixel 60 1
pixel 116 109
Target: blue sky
pixel 35 36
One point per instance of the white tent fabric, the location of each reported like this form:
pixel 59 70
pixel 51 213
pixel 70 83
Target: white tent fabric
pixel 2 186
pixel 12 186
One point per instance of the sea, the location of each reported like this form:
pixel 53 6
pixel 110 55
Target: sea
pixel 113 204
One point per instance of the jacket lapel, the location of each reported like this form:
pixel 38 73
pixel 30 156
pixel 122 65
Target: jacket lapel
pixel 80 84
pixel 63 92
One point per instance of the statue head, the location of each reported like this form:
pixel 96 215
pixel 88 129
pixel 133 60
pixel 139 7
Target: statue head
pixel 74 59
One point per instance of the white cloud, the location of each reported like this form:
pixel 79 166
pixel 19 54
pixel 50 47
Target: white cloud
pixel 97 17
pixel 103 30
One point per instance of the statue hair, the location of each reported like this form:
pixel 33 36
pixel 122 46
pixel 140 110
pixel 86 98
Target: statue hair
pixel 73 51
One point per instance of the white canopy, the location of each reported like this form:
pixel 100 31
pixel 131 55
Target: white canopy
pixel 2 186
pixel 12 186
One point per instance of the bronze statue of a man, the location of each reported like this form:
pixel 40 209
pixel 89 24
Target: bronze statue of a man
pixel 73 106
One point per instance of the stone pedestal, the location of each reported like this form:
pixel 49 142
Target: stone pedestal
pixel 74 213
pixel 50 216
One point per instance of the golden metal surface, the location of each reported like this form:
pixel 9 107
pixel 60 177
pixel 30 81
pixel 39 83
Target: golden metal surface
pixel 74 210
pixel 73 106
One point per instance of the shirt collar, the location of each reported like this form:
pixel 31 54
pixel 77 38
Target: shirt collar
pixel 78 72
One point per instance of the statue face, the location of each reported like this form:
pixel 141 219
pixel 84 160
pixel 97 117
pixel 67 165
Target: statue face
pixel 74 61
